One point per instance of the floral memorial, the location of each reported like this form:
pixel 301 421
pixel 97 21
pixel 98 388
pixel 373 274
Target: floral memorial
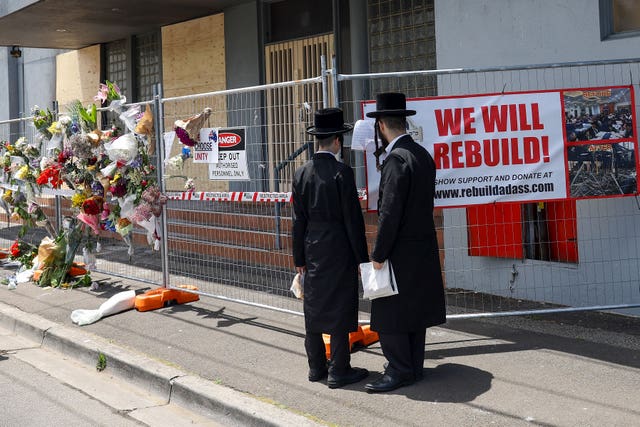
pixel 107 175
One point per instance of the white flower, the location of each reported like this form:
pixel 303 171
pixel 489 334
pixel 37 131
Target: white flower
pixel 21 143
pixel 175 162
pixel 45 162
pixel 190 184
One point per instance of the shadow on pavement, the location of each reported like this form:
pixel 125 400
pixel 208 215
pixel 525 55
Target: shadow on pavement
pixel 576 338
pixel 450 382
pixel 225 320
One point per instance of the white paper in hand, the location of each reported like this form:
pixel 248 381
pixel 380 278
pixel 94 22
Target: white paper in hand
pixel 378 283
pixel 297 286
pixel 363 134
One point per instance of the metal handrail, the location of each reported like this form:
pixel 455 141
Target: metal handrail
pixel 276 177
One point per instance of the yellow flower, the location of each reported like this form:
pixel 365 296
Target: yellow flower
pixel 15 216
pixel 23 173
pixel 55 128
pixel 8 196
pixel 77 200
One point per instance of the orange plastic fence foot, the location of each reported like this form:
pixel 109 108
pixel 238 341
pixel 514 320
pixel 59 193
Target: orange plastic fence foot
pixel 163 297
pixel 76 269
pixel 363 336
pixel 369 336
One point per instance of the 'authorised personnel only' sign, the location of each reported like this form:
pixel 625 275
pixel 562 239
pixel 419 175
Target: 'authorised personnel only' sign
pixel 232 156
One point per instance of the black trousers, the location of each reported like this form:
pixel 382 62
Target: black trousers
pixel 405 353
pixel 317 356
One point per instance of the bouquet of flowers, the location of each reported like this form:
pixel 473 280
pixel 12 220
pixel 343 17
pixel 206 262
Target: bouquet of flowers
pixel 23 252
pixel 113 181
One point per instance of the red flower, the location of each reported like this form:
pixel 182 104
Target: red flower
pixel 43 178
pixel 15 249
pixel 184 137
pixel 92 206
pixel 50 175
pixel 118 190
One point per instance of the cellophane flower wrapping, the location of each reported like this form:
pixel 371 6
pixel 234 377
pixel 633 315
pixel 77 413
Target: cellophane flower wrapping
pixel 124 149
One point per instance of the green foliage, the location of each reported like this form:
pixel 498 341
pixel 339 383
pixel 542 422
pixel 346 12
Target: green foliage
pixel 102 362
pixel 84 280
pixel 42 119
pixel 87 117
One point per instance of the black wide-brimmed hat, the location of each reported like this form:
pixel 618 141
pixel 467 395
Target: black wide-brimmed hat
pixel 327 122
pixel 391 104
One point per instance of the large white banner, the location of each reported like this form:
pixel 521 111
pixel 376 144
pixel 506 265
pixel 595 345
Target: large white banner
pixel 488 148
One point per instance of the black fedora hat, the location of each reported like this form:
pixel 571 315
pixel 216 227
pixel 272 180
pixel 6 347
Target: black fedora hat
pixel 391 104
pixel 327 122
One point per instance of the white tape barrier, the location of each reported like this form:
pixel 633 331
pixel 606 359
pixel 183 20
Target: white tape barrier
pixel 43 191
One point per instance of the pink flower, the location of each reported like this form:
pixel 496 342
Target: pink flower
pixel 142 212
pixel 91 220
pixel 102 93
pixel 105 212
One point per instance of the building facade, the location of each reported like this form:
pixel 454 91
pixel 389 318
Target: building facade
pixel 209 46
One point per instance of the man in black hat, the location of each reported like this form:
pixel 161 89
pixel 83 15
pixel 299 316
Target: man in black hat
pixel 328 244
pixel 407 238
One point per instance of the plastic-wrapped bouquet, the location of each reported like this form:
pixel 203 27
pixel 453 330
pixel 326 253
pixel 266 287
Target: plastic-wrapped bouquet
pixel 113 181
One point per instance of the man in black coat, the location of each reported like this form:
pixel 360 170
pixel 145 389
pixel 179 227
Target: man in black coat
pixel 407 238
pixel 328 244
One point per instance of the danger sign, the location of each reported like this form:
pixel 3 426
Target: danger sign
pixel 232 157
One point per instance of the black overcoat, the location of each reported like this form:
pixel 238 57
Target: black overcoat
pixel 407 236
pixel 329 239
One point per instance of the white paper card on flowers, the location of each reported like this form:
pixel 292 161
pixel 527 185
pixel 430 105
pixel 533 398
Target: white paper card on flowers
pixel 168 142
pixel 378 283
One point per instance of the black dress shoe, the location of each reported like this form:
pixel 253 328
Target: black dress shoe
pixel 317 374
pixel 353 375
pixel 388 383
pixel 419 375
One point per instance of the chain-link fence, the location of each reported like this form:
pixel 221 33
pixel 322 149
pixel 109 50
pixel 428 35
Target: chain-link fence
pixel 227 226
pixel 604 272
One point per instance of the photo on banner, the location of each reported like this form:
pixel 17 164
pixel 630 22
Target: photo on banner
pixel 601 145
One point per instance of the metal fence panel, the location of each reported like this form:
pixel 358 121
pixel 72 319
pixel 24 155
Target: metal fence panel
pixel 232 239
pixel 607 272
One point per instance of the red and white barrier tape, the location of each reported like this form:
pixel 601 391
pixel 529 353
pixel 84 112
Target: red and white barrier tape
pixel 242 196
pixel 233 196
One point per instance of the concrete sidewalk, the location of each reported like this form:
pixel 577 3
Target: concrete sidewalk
pixel 244 365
